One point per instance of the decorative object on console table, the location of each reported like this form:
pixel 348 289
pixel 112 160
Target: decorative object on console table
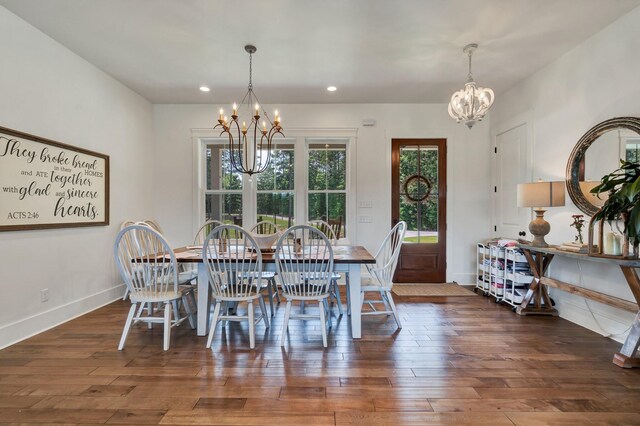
pixel 538 195
pixel 578 223
pixel 622 205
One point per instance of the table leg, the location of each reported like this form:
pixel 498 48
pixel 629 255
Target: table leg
pixel 625 358
pixel 203 300
pixel 539 263
pixel 355 283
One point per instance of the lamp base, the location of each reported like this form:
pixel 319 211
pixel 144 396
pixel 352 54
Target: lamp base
pixel 539 228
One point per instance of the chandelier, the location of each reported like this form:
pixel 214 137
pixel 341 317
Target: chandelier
pixel 249 145
pixel 471 103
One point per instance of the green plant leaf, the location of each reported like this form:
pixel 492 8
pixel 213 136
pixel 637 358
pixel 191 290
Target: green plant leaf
pixel 634 190
pixel 633 222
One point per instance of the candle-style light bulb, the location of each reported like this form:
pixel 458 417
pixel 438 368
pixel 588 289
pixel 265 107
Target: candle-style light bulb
pixel 221 113
pixel 257 108
pixel 264 126
pixel 244 126
pixel 235 109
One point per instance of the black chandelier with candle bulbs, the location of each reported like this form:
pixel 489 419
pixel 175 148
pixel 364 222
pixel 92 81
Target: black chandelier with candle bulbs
pixel 250 146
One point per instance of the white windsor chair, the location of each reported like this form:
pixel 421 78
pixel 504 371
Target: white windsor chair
pixel 334 291
pixel 233 263
pixel 382 273
pixel 149 269
pixel 204 230
pixel 304 261
pixel 268 229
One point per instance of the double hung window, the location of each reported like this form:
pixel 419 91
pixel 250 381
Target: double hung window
pixel 275 193
pixel 223 189
pixel 327 183
pixel 308 178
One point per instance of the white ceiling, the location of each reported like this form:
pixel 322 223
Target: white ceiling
pixel 374 51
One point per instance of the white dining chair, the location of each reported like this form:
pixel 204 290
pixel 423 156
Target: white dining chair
pixel 304 261
pixel 266 229
pixel 204 230
pixel 381 273
pixel 122 226
pixel 186 278
pixel 154 225
pixel 334 291
pixel 149 268
pixel 233 263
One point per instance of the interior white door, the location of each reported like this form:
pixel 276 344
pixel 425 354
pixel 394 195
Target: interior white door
pixel 512 166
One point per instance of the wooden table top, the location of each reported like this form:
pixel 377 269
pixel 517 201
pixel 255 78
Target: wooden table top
pixel 582 256
pixel 343 254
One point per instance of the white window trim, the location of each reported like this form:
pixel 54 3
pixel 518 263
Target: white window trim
pixel 299 137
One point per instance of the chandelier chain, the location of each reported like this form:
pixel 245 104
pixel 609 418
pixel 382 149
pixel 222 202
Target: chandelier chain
pixel 470 76
pixel 250 71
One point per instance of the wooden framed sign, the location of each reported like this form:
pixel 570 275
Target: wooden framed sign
pixel 47 184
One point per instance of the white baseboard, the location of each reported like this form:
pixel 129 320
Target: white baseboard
pixel 610 322
pixel 464 278
pixel 27 327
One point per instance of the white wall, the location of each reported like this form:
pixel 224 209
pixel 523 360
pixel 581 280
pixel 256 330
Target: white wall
pixel 49 91
pixel 468 171
pixel 595 81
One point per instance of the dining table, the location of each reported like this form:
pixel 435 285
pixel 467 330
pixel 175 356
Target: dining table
pixel 347 259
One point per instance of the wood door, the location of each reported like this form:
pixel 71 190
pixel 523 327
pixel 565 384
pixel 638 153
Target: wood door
pixel 512 166
pixel 419 197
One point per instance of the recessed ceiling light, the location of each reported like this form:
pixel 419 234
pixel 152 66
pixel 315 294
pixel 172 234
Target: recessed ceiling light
pixel 204 88
pixel 332 88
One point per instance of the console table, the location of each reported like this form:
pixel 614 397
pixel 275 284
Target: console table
pixel 539 259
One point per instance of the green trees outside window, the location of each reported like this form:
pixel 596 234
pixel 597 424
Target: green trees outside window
pixel 276 192
pixel 327 195
pixel 276 188
pixel 419 197
pixel 223 196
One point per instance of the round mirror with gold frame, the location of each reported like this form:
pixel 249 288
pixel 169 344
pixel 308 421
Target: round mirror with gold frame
pixel 597 153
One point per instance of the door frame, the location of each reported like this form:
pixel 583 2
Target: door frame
pixel 441 143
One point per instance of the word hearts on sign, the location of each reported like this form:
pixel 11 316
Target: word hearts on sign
pixel 46 184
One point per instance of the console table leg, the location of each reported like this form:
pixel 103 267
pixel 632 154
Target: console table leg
pixel 539 263
pixel 625 358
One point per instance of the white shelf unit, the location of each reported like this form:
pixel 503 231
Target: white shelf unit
pixel 497 273
pixel 483 269
pixel 503 273
pixel 517 276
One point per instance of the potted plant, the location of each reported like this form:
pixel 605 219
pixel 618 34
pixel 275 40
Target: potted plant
pixel 623 187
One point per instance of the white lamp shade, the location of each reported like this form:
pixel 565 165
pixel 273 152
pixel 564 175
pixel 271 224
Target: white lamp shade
pixel 586 187
pixel 541 194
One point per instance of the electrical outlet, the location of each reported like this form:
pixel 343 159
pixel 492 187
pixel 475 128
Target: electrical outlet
pixel 44 295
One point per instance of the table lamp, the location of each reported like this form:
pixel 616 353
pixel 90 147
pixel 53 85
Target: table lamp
pixel 538 195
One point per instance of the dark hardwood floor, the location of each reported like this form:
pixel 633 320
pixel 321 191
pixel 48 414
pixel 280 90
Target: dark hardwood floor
pixel 458 360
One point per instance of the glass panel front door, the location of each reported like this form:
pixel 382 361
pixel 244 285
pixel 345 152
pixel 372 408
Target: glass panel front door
pixel 419 199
